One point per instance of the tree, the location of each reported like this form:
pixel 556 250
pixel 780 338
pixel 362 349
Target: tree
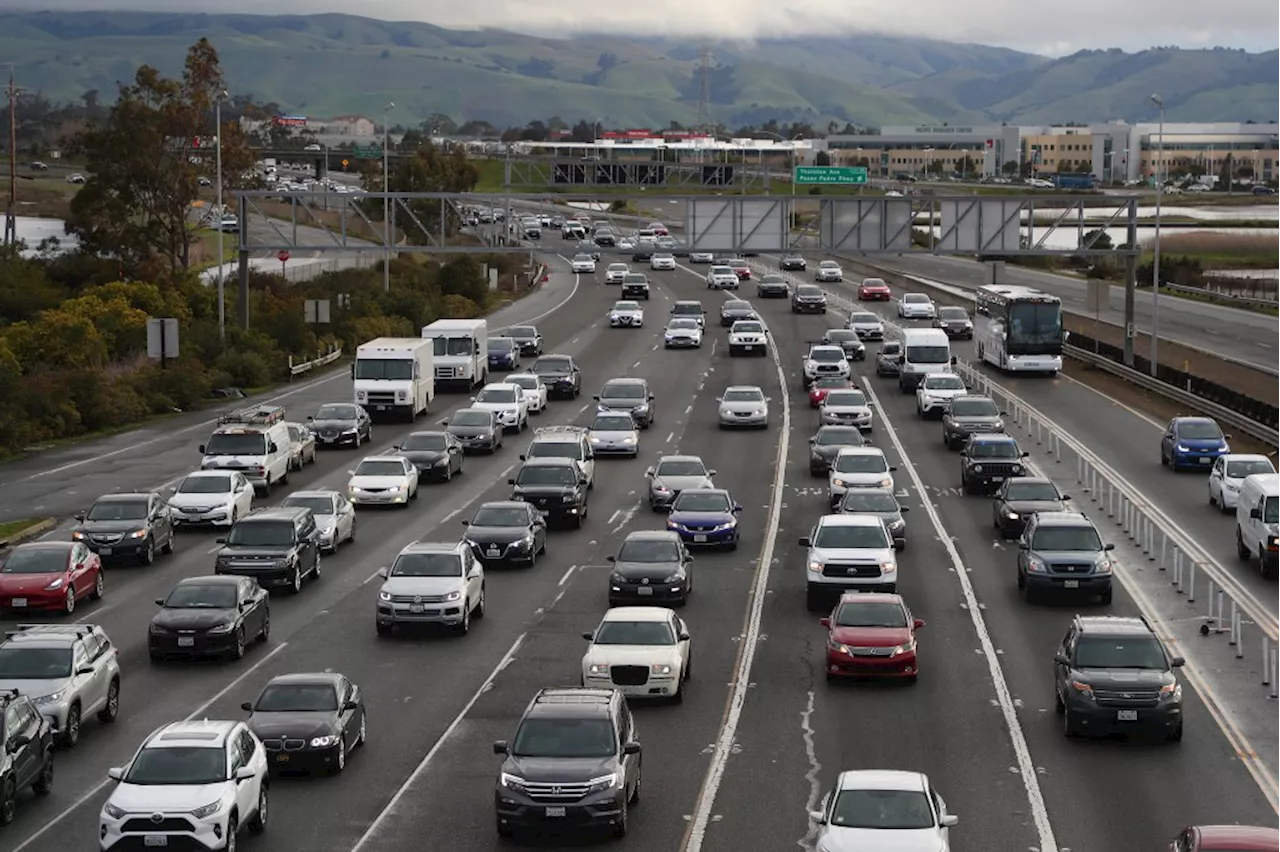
pixel 1010 167
pixel 439 124
pixel 966 166
pixel 430 169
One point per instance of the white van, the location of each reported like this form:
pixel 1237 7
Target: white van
pixel 254 441
pixel 1257 510
pixel 924 351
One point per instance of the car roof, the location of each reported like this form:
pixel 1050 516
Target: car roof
pixel 210 580
pixel 871 597
pixel 435 433
pixel 965 397
pixel 625 380
pixel 862 451
pixel 1179 420
pixel 744 388
pixel 920 295
pixel 502 504
pixel 131 497
pixel 637 613
pixel 548 461
pixel 1114 625
pixel 942 374
pixel 1246 457
pixel 1033 480
pixel 662 459
pixel 209 474
pixel 822 346
pixel 572 701
pixel 651 535
pixel 1243 838
pixel 432 547
pixel 1063 519
pixel 492 386
pixel 828 263
pixel 880 779
pixel 305 678
pixel 992 438
pixel 723 492
pixel 44 545
pixel 204 733
pixel 850 520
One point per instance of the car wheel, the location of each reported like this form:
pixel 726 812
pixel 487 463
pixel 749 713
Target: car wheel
pixel 8 801
pixel 170 542
pixel 71 734
pixel 295 580
pixel 464 627
pixel 233 833
pixel 111 709
pixel 237 652
pixel 262 813
pixel 69 604
pixel 1069 724
pixel 149 552
pixel 479 611
pixel 43 785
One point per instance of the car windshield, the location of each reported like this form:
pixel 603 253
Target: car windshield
pixel 618 267
pixel 384 368
pixel 546 476
pixel 380 467
pixel 522 332
pixel 928 354
pixel 864 319
pixel 870 614
pixel 471 418
pixel 649 550
pixel 974 408
pixel 840 336
pixel 701 501
pixel 773 279
pixel 219 484
pixel 628 390
pixel 862 500
pixel 808 291
pixel 635 278
pixel 626 306
pixel 501 344
pixel 173 765
pixel 565 738
pixel 34 663
pixel 455 346
pixel 891 349
pixel 958 314
pixel 744 395
pixel 427 565
pixel 688 307
pixel 1120 652
pixel 734 306
pixel 994 450
pixel 556 450
pixel 902 810
pixel 634 633
pixel 1019 490
pixel 425 443
pixel 839 436
pixel 297 698
pixel 1241 469
pixel 683 467
pixel 743 327
pixel 873 282
pixel 722 270
pixel 583 258
pixel 683 324
pixel 318 505
pixel 36 560
pixel 1078 538
pixel 118 510
pixel 1199 430
pixel 296 434
pixel 838 537
pixel 202 596
pixel 500 516
pixel 337 412
pixel 853 399
pixel 944 383
pixel 861 463
pixel 498 395
pixel 827 355
pixel 552 365
pixel 829 264
pixel 258 533
pixel 613 423
pixel 236 444
pixel 916 299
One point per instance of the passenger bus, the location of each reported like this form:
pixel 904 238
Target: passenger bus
pixel 1018 329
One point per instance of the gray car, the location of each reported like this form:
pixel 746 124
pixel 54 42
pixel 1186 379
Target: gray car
pixel 827 444
pixel 477 430
pixel 652 567
pixel 630 396
pixel 334 514
pixel 68 670
pixel 744 405
pixel 673 474
pixel 968 415
pixel 887 358
pixel 431 584
pixel 881 503
pixel 615 433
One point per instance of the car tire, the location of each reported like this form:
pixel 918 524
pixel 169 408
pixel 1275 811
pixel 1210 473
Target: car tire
pixel 464 626
pixel 1105 597
pixel 814 600
pixel 43 785
pixel 111 709
pixel 71 733
pixel 265 633
pixel 261 814
pixel 295 580
pixel 1175 736
pixel 149 554
pixel 233 833
pixel 169 544
pixel 69 602
pixel 237 652
pixel 8 801
pixel 479 610
pixel 505 831
pixel 1069 728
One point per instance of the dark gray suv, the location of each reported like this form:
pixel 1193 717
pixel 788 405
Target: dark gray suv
pixel 276 547
pixel 1060 553
pixel 968 414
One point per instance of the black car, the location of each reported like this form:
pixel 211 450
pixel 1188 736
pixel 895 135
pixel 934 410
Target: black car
pixel 771 285
pixel 506 533
pixel 127 526
pixel 792 263
pixel 605 239
pixel 967 415
pixel 435 454
pixel 1020 497
pixel 555 487
pixel 528 337
pixel 209 617
pixel 987 461
pixel 587 247
pixel 476 430
pixel 954 322
pixel 26 752
pixel 848 340
pixel 808 299
pixel 504 354
pixel 339 423
pixel 561 375
pixel 643 253
pixel 631 396
pixel 652 567
pixel 635 285
pixel 827 444
pixel 736 309
pixel 308 721
pixel 276 547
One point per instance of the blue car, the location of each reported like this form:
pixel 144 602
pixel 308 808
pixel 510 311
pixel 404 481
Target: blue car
pixel 1192 442
pixel 504 353
pixel 705 517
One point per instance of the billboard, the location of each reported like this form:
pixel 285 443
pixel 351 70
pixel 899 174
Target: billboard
pixel 290 121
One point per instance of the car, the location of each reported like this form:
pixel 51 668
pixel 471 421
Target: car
pixel 573 231
pixel 701 257
pixel 431 583
pixel 528 337
pixel 847 553
pixel 209 617
pixel 871 635
pixel 828 271
pixel 1063 553
pixel 883 504
pixel 868 326
pixel 1192 442
pixel 476 429
pixel 532 388
pixel 1228 474
pixel 854 348
pixel 793 263
pixel 1263 190
pixel 383 481
pixel 561 374
pixel 49 576
pixel 748 337
pixel 874 290
pixel 846 408
pixel 635 286
pixel 339 423
pixel 436 455
pixel 1112 674
pixel 616 272
pixel 935 392
pixel 506 532
pixel 771 285
pixel 26 752
pixel 565 442
pixel 1020 497
pixel 916 306
pixel 641 248
pixel 555 487
pixel 682 333
pixel 722 278
pixel 823 361
pixel 334 515
pixel 736 309
pixel 827 443
pixel 76 178
pixel 581 263
pixel 969 414
pixel 279 546
pixel 626 314
pixel 987 460
pixel 575 759
pixel 628 395
pixel 672 476
pixel 504 353
pixel 870 807
pixel 127 526
pixel 308 721
pixel 705 517
pixel 303 441
pixel 858 467
pixel 1227 838
pixel 659 229
pixel 214 498
pixel 889 358
pixel 740 268
pixel 591 248
pixel 808 299
pixel 690 309
pixel 507 403
pixel 652 566
pixel 823 385
pixel 743 405
pixel 636 641
pixel 615 433
pixel 662 262
pixel 955 322
pixel 69 671
pixel 193 785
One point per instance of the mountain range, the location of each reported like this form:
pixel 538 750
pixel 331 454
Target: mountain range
pixel 327 65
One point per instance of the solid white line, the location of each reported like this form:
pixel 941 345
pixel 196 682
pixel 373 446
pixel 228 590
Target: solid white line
pixel 567 575
pixel 421 768
pixel 815 769
pixel 670 436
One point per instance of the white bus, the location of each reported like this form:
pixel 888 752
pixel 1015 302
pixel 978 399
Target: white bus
pixel 1018 329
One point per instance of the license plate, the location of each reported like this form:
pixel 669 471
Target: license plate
pixel 555 812
pixel 493 551
pixel 997 479
pixel 747 347
pixel 415 608
pixel 19 602
pixel 699 538
pixel 104 551
pixel 380 407
pixel 186 642
pixel 155 840
pixel 282 758
pixel 1070 584
pixel 1204 461
pixel 1127 715
pixel 328 440
pixel 645 590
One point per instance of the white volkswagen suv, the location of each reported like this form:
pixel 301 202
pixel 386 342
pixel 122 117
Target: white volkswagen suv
pixel 507 403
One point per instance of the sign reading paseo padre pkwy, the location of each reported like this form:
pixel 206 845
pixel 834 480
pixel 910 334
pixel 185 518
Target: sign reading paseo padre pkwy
pixel 838 175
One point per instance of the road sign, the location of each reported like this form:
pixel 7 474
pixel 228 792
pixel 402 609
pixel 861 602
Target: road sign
pixel 316 311
pixel 162 338
pixel 345 163
pixel 831 175
pixel 283 256
pixel 372 152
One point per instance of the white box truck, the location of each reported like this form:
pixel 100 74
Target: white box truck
pixel 394 376
pixel 460 352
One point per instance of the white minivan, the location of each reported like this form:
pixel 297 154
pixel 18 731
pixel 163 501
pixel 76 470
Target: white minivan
pixel 1257 510
pixel 924 351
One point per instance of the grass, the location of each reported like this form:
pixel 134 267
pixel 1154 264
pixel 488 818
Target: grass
pixel 8 529
pixel 204 252
pixel 48 198
pixel 1223 251
pixel 331 219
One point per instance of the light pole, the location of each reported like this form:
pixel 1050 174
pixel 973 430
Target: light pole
pixel 1155 262
pixel 217 190
pixel 386 197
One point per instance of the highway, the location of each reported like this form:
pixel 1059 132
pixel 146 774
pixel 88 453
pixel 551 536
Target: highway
pixel 980 721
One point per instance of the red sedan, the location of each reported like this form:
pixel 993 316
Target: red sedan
pixel 659 229
pixel 740 269
pixel 49 575
pixel 871 635
pixel 874 290
pixel 822 386
pixel 1226 838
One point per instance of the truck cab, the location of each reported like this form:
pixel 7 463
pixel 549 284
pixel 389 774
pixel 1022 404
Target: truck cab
pixel 460 352
pixel 394 376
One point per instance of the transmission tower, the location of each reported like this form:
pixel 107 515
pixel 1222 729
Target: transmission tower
pixel 11 209
pixel 704 100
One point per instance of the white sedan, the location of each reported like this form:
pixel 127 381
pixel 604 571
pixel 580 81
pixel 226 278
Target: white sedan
pixel 583 263
pixel 507 403
pixel 616 273
pixel 916 306
pixel 626 315
pixel 1228 473
pixel 682 333
pixel 533 388
pixel 883 809
pixel 652 637
pixel 215 498
pixel 383 481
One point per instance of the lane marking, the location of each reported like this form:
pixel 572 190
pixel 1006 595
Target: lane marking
pixel 809 735
pixel 567 575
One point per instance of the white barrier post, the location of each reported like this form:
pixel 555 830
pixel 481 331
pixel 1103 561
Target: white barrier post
pixel 1164 544
pixel 1057 448
pixel 1266 661
pixel 1234 641
pixel 1177 568
pixel 1039 433
pixel 1191 581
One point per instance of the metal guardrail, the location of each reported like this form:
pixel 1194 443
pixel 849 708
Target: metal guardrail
pixel 1246 302
pixel 307 366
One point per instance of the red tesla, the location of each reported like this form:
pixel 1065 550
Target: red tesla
pixel 874 290
pixel 871 635
pixel 49 575
pixel 822 386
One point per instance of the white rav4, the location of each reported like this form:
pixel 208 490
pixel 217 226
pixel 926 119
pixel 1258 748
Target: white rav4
pixel 936 391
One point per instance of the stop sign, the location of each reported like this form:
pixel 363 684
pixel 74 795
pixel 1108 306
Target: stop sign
pixel 283 255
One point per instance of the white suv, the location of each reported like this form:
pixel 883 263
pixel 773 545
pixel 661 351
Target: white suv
pixel 192 783
pixel 936 391
pixel 507 402
pixel 916 306
pixel 722 278
pixel 748 337
pixel 848 553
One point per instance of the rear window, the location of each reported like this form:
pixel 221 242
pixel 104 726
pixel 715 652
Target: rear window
pixel 555 450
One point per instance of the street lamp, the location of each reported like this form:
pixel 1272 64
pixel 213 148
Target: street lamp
pixel 217 190
pixel 794 162
pixel 386 197
pixel 1155 262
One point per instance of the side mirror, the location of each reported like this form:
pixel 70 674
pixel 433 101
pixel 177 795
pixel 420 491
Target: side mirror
pixel 804 541
pixel 954 360
pixel 395 446
pixel 353 371
pixel 949 820
pixel 652 398
pixel 473 399
pixel 1177 662
pixel 522 458
pixel 737 509
pixel 1061 659
pixel 719 399
pixel 18 742
pixel 511 482
pixel 825 621
pixel 893 468
pixel 201 449
pixel 351 705
pixel 818 816
pixel 596 398
pixel 80 517
pixel 1004 414
pixel 351 473
pixel 683 637
pixel 631 748
pixel 1255 514
pixel 918 623
pixel 1108 547
pixel 1026 455
pixel 219 541
pixel 1226 437
pixel 904 508
pixel 273 447
pixel 500 747
pixel 382 572
pixel 1022 545
pixel 115 773
pixel 311 419
pixel 611 559
pixel 85 670
pixel 1064 497
pixel 649 473
pixel 814 440
pixel 711 473
pixel 245 773
pixel 247 707
pixel 444 422
pixel 589 636
pixel 159 601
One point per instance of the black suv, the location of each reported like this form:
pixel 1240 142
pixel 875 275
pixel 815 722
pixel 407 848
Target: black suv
pixel 127 526
pixel 1063 552
pixel 771 285
pixel 968 414
pixel 560 373
pixel 26 752
pixel 556 487
pixel 276 547
pixel 635 285
pixel 1113 675
pixel 808 299
pixel 988 460
pixel 574 764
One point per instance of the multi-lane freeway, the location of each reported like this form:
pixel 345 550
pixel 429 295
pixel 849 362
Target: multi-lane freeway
pixel 760 735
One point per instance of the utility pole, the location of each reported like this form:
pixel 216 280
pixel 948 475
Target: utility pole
pixel 11 209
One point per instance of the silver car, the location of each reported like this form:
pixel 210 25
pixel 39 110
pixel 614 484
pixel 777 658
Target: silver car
pixel 858 467
pixel 868 325
pixel 744 405
pixel 673 474
pixel 615 434
pixel 68 670
pixel 846 408
pixel 431 584
pixel 334 514
pixel 881 503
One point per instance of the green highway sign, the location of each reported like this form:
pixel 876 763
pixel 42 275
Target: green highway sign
pixel 373 152
pixel 841 175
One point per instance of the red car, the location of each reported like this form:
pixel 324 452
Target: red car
pixel 871 635
pixel 740 269
pixel 659 229
pixel 874 290
pixel 1226 838
pixel 49 575
pixel 822 386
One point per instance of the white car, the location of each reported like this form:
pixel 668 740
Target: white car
pixel 615 433
pixel 507 403
pixel 748 337
pixel 846 408
pixel 1228 474
pixel 583 263
pixel 701 256
pixel 935 392
pixel 916 306
pixel 883 809
pixel 662 262
pixel 193 784
pixel 858 467
pixel 868 325
pixel 626 315
pixel 532 387
pixel 825 362
pixel 215 498
pixel 431 583
pixel 828 270
pixel 848 553
pixel 682 333
pixel 383 481
pixel 334 514
pixel 744 405
pixel 652 637
pixel 616 273
pixel 722 278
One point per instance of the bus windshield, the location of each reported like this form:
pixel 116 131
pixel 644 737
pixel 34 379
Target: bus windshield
pixel 1035 324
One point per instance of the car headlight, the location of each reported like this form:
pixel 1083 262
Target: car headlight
pixel 815 567
pixel 222 628
pixel 1171 692
pixel 672 525
pixel 904 648
pixel 1103 566
pixel 1085 689
pixel 661 489
pixel 977 468
pixel 350 431
pixel 51 698
pixel 897 525
pixel 887 482
pixel 604 782
pixel 1181 448
pixel 888 567
pixel 511 782
pixel 206 810
pixel 138 534
pixel 54 586
pixel 677 577
pixel 113 811
pixel 325 741
pixel 77 536
pixel 1010 514
pixel 660 669
pixel 998 425
pixel 384 596
pixel 727 525
pixel 1035 566
pixel 597 669
pixel 595 439
pixel 453 596
pixel 441 462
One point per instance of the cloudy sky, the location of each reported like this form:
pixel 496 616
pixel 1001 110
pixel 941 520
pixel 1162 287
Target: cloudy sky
pixel 1055 30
